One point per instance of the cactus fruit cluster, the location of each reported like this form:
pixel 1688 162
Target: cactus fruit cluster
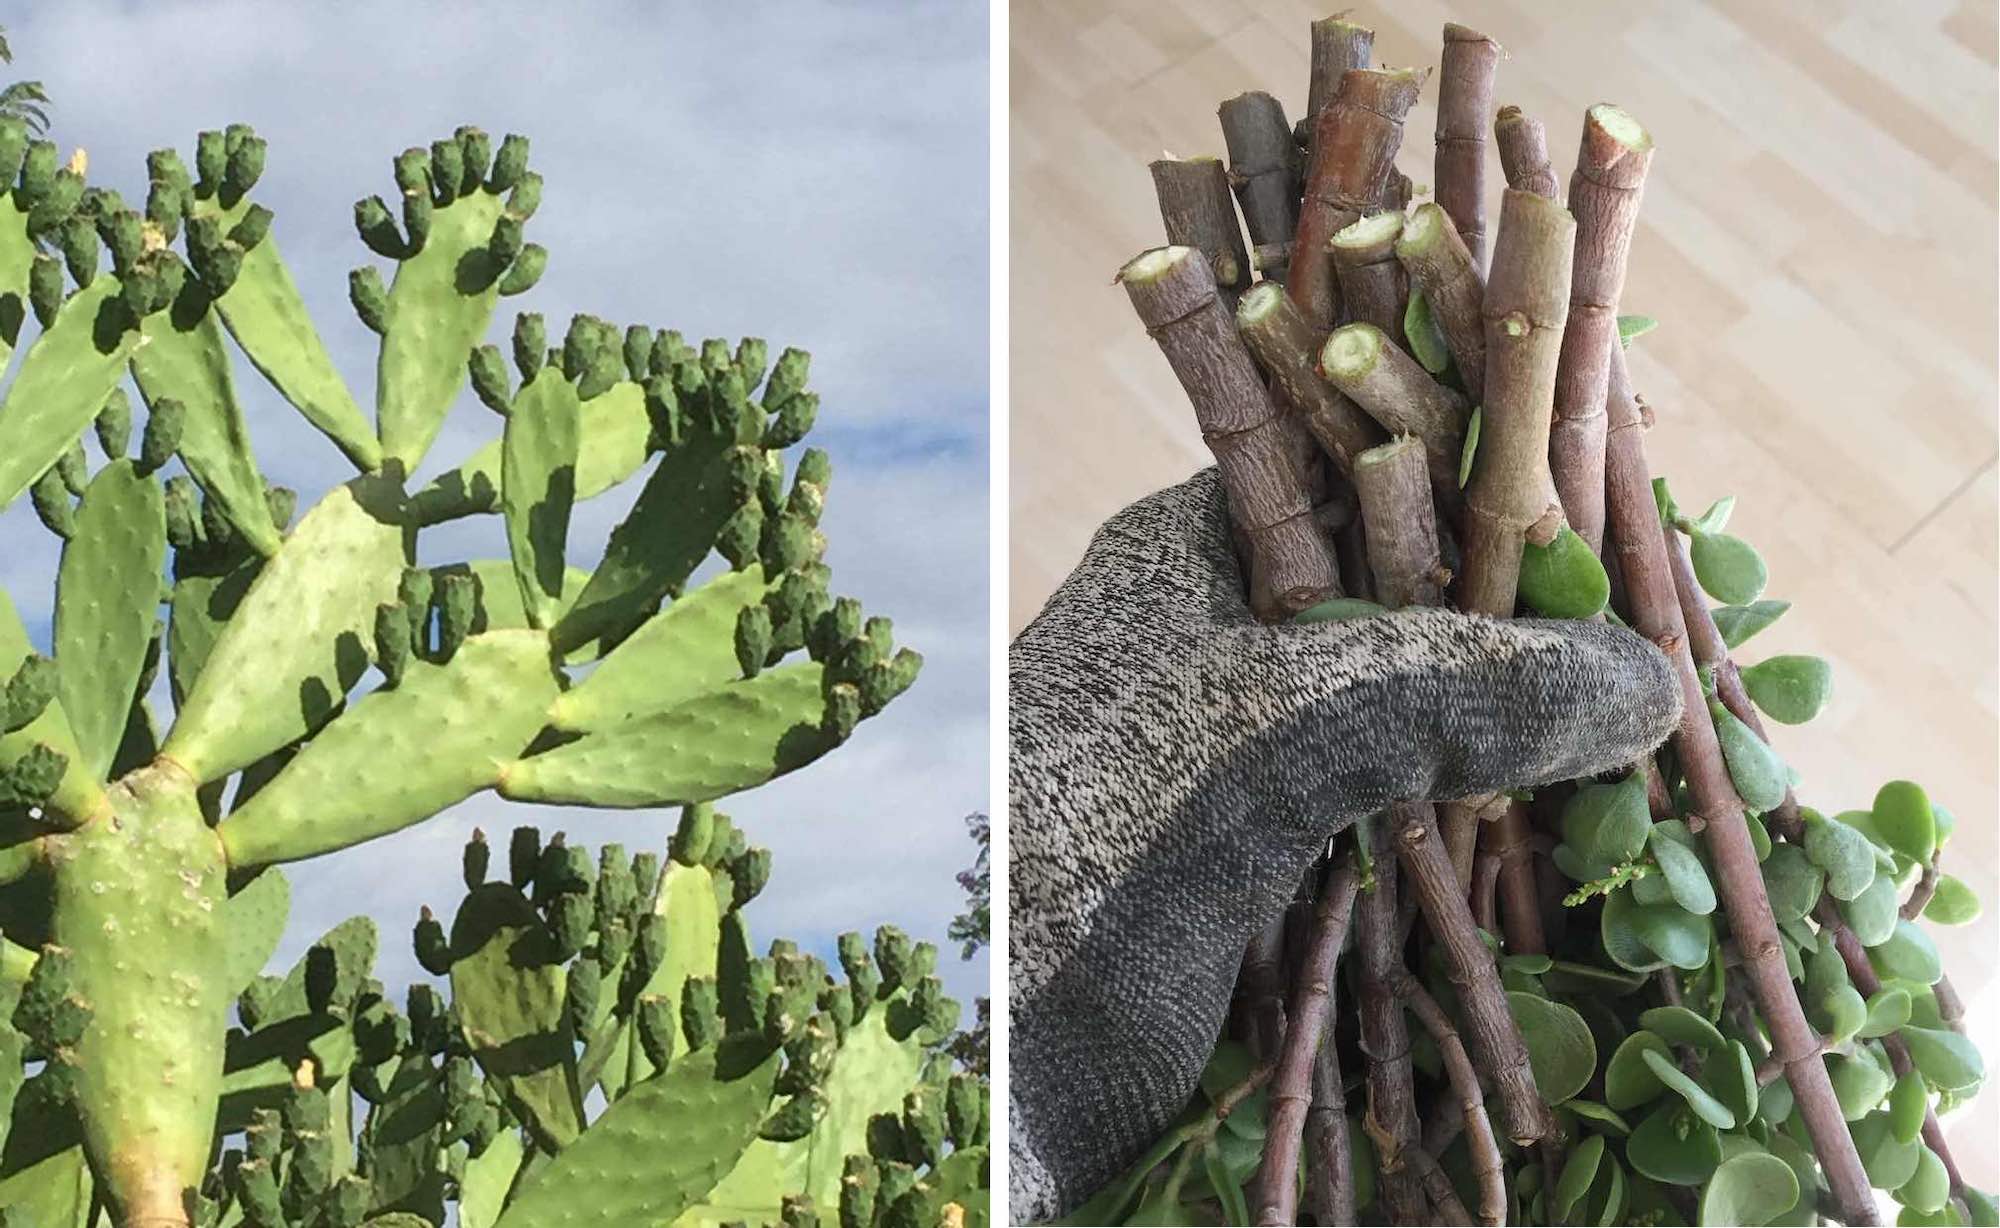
pixel 327 690
pixel 1670 995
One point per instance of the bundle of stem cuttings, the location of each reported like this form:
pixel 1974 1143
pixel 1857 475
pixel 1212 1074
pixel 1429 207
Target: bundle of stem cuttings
pixel 1672 994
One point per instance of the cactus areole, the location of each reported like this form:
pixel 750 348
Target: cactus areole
pixel 326 690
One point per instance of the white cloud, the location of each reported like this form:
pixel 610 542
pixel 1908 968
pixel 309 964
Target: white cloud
pixel 815 174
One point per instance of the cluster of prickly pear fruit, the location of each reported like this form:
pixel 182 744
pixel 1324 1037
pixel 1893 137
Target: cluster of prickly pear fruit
pixel 128 845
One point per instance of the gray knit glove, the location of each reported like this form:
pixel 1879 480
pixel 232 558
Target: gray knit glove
pixel 1175 765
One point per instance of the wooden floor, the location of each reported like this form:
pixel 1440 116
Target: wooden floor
pixel 1817 240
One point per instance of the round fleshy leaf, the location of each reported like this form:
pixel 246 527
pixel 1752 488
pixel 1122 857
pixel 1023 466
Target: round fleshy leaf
pixel 1907 955
pixel 1791 881
pixel 1930 1188
pixel 1759 775
pixel 1631 328
pixel 1675 934
pixel 1678 1025
pixel 1909 1100
pixel 1750 1189
pixel 1620 935
pixel 1953 903
pixel 1652 889
pixel 1946 1058
pixel 1888 1162
pixel 1903 816
pixel 1575 866
pixel 1579 1170
pixel 1684 873
pixel 1732 1078
pixel 1607 824
pixel 1760 839
pixel 1739 622
pixel 1984 1212
pixel 1425 335
pixel 1872 914
pixel 1606 1202
pixel 1790 689
pixel 1842 1013
pixel 1604 1115
pixel 1888 1009
pixel 1674 1146
pixel 1564 579
pixel 1944 822
pixel 1774 1102
pixel 1859 1082
pixel 1559 1043
pixel 1845 855
pixel 1711 1110
pixel 1729 568
pixel 1588 979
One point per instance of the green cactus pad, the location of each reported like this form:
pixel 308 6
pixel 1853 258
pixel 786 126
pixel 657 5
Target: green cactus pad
pixel 539 488
pixel 149 1066
pixel 871 1073
pixel 733 738
pixel 400 755
pixel 63 381
pixel 657 1151
pixel 694 930
pixel 684 651
pixel 185 359
pixel 106 597
pixel 79 794
pixel 613 430
pixel 508 987
pixel 253 922
pixel 202 605
pixel 670 530
pixel 17 254
pixel 500 598
pixel 488 1176
pixel 298 640
pixel 437 313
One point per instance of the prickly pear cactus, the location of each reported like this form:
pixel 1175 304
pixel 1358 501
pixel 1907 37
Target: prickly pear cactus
pixel 326 691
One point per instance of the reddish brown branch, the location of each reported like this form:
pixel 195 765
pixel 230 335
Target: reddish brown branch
pixel 1604 196
pixel 1393 389
pixel 1264 169
pixel 1287 346
pixel 1354 146
pixel 1196 209
pixel 1465 99
pixel 1438 1185
pixel 1496 1038
pixel 1634 525
pixel 1174 293
pixel 1330 1176
pixel 1338 47
pixel 1441 266
pixel 1485 1151
pixel 1920 895
pixel 1394 487
pixel 1391 1116
pixel 1524 152
pixel 1374 288
pixel 1276 1184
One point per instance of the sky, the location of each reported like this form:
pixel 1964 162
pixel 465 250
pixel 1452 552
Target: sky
pixel 811 173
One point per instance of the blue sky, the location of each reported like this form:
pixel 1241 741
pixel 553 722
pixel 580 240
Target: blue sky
pixel 812 173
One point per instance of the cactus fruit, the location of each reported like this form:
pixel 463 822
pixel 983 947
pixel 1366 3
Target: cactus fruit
pixel 283 747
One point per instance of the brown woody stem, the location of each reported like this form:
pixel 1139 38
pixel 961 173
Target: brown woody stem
pixel 1291 566
pixel 1311 1008
pixel 1485 1151
pixel 1354 147
pixel 1196 209
pixel 1338 47
pixel 1330 1175
pixel 1264 169
pixel 1604 196
pixel 1374 289
pixel 1496 1038
pixel 1438 1185
pixel 1633 521
pixel 1465 99
pixel 1391 1115
pixel 1527 303
pixel 1392 388
pixel 1286 346
pixel 1440 265
pixel 1393 484
pixel 1524 152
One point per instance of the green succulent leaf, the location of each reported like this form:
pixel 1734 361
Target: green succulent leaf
pixel 1792 882
pixel 1710 1109
pixel 1631 328
pixel 1680 1026
pixel 1759 775
pixel 1859 1081
pixel 1953 903
pixel 1560 1047
pixel 1674 1146
pixel 1629 1080
pixel 1904 820
pixel 1751 1188
pixel 1872 915
pixel 1607 824
pixel 1790 689
pixel 1579 1171
pixel 1683 872
pixel 1470 448
pixel 1564 579
pixel 1843 853
pixel 1889 1163
pixel 1728 568
pixel 1908 955
pixel 1946 1058
pixel 1888 1009
pixel 1424 334
pixel 1908 1102
pixel 1738 623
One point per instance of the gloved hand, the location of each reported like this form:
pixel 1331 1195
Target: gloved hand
pixel 1174 767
